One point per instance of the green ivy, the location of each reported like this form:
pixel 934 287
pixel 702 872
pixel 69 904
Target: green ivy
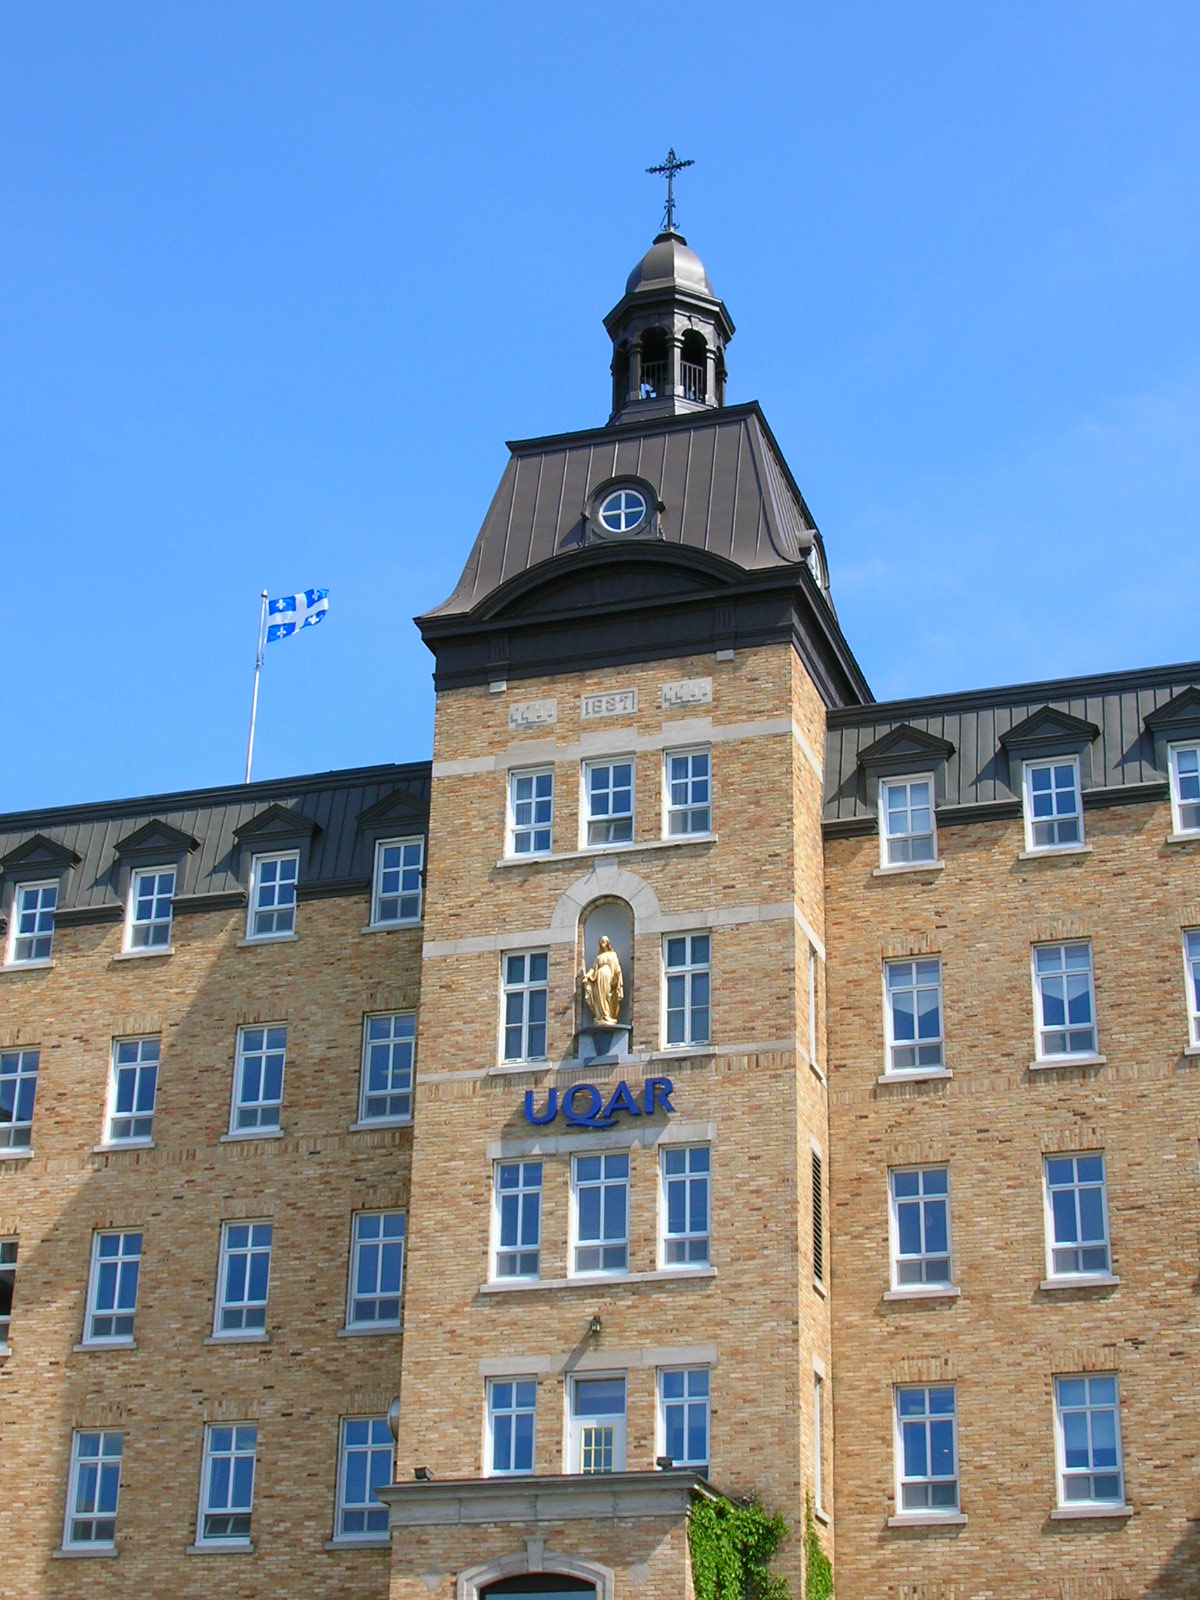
pixel 731 1547
pixel 818 1569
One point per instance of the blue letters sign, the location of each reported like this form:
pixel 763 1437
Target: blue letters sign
pixel 584 1106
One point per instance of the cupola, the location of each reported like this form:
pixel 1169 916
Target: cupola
pixel 669 329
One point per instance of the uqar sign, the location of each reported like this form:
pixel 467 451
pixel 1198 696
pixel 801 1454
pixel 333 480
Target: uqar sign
pixel 584 1106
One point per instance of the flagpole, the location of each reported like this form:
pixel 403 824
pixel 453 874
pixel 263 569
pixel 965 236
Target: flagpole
pixel 258 661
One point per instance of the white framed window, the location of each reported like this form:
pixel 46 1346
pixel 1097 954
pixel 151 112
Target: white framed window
pixel 517 1219
pixel 18 1086
pixel 258 1078
pixel 608 801
pixel 1191 967
pixel 687 792
pixel 683 1416
pixel 920 1226
pixel 112 1288
pixel 1087 1431
pixel 687 982
pixel 8 1283
pixel 1076 1216
pixel 530 812
pixel 399 881
pixel 1064 1000
pixel 31 933
pixel 92 1490
pixel 1053 804
pixel 926 1449
pixel 227 1484
pixel 600 1213
pixel 812 1008
pixel 818 1441
pixel 684 1178
pixel 511 1420
pixel 151 894
pixel 364 1465
pixel 132 1089
pixel 1184 760
pixel 525 1002
pixel 596 1424
pixel 376 1270
pixel 273 882
pixel 386 1089
pixel 913 1014
pixel 907 831
pixel 243 1279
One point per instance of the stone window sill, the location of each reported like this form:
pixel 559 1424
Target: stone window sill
pixel 122 1144
pixel 1191 1049
pixel 922 1291
pixel 629 848
pixel 918 1075
pixel 251 940
pixel 1085 1058
pixel 73 1553
pixel 16 1153
pixel 29 966
pixel 1052 852
pixel 145 955
pixel 380 1122
pixel 392 927
pixel 821 1514
pixel 231 1547
pixel 92 1346
pixel 1182 838
pixel 593 1280
pixel 1081 1280
pixel 908 866
pixel 242 1134
pixel 928 1519
pixel 1078 1513
pixel 372 1331
pixel 5 1351
pixel 375 1542
pixel 237 1338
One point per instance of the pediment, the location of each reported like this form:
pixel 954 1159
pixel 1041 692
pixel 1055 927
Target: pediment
pixel 39 853
pixel 276 824
pixel 1179 718
pixel 156 837
pixel 1050 730
pixel 610 577
pixel 905 746
pixel 401 807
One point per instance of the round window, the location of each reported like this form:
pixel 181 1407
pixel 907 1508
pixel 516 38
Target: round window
pixel 623 511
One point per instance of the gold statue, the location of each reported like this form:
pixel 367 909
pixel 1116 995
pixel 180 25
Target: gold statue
pixel 603 985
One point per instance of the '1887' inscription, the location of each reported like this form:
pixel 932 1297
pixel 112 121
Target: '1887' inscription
pixel 613 704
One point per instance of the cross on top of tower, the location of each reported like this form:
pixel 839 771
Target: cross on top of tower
pixel 667 169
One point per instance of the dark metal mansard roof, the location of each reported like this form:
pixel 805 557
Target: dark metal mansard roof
pixel 724 486
pixel 211 834
pixel 1118 723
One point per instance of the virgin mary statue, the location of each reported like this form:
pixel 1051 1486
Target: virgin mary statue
pixel 603 985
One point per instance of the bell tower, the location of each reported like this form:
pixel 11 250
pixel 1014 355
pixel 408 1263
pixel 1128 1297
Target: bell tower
pixel 669 329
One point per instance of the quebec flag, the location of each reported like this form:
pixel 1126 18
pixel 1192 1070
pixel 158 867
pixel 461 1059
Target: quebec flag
pixel 292 611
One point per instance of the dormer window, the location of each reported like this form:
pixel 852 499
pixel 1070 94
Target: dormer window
pixel 151 895
pixel 273 881
pixel 33 923
pixel 1185 787
pixel 907 830
pixel 623 511
pixel 1053 813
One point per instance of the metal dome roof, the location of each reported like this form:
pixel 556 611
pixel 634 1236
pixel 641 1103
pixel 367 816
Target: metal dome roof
pixel 668 261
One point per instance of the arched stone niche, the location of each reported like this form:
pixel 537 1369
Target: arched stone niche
pixel 612 918
pixel 559 1574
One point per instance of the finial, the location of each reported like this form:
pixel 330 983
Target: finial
pixel 668 169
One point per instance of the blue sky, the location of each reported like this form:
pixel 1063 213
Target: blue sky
pixel 278 280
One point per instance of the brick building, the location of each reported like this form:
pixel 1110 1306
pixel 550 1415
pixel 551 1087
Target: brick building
pixel 352 1242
